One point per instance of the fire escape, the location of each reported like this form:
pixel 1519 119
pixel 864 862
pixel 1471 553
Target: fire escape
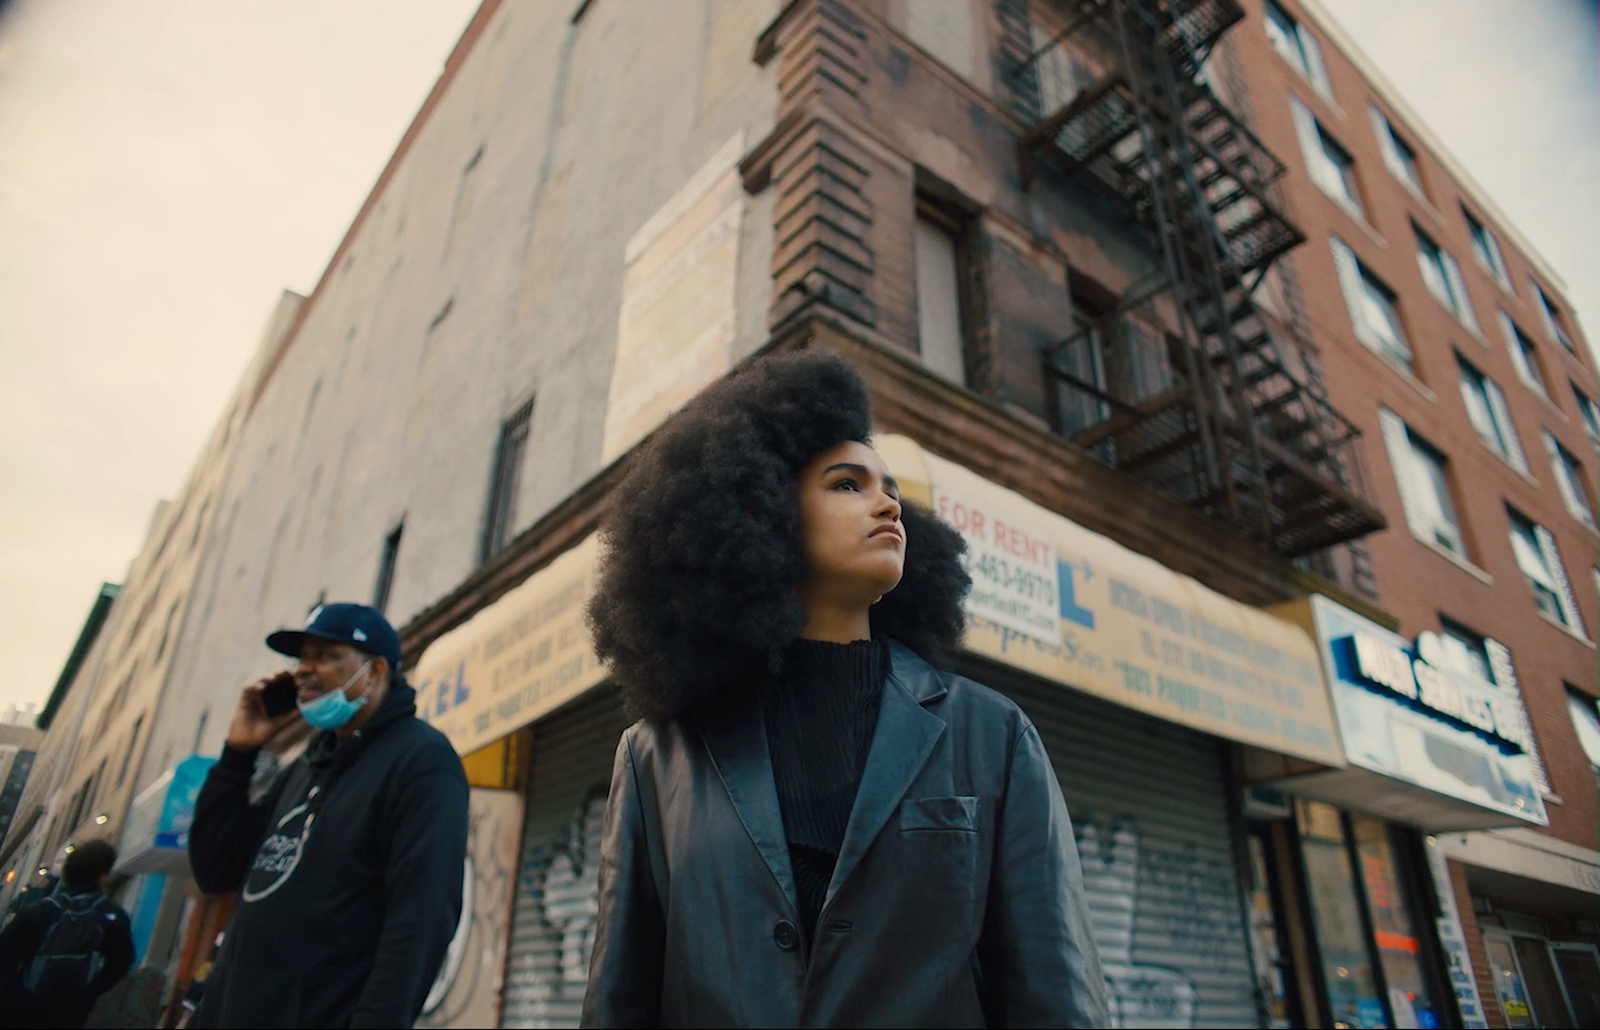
pixel 1222 424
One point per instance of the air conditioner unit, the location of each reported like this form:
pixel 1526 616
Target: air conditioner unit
pixel 1266 804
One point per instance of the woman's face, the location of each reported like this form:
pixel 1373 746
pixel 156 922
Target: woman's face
pixel 854 541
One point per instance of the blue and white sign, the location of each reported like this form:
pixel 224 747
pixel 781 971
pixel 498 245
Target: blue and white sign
pixel 1403 711
pixel 156 835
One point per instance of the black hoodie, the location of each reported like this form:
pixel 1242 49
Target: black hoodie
pixel 349 875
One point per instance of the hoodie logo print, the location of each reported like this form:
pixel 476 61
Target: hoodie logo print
pixel 279 855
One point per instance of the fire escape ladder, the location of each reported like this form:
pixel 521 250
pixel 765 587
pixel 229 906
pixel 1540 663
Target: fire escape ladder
pixel 1193 397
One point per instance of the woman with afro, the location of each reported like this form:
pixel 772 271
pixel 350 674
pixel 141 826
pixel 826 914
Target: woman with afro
pixel 813 824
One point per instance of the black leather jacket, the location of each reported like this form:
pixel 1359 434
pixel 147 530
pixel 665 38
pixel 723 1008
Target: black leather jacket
pixel 957 900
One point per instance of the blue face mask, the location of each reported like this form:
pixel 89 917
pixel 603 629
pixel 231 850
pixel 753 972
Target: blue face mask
pixel 332 710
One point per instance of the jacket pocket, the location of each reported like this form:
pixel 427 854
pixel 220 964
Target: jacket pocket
pixel 952 813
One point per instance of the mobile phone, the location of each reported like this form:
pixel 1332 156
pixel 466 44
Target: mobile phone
pixel 279 695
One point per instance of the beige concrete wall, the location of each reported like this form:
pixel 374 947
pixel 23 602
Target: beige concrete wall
pixel 488 270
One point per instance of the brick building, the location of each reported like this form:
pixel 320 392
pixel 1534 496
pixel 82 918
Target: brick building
pixel 1138 276
pixel 1446 338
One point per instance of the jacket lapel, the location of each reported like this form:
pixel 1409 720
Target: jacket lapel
pixel 901 744
pixel 737 744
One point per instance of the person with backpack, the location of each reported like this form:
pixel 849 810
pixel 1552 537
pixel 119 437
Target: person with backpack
pixel 60 954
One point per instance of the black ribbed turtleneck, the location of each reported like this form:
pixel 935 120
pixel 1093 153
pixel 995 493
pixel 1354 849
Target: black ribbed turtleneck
pixel 820 714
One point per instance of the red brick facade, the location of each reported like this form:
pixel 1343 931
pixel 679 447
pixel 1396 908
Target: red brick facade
pixel 1415 582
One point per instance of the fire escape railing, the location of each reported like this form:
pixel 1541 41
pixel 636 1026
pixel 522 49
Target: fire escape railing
pixel 1184 384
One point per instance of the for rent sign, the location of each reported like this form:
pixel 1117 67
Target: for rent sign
pixel 1072 606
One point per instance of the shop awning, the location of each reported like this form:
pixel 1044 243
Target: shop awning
pixel 1050 598
pixel 1064 603
pixel 515 661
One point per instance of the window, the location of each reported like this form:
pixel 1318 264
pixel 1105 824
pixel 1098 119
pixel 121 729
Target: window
pixel 1397 154
pixel 1425 494
pixel 1524 356
pixel 133 741
pixel 1536 554
pixel 939 321
pixel 1487 250
pixel 1486 408
pixel 1372 308
pixel 1590 413
pixel 1569 480
pixel 1329 165
pixel 1297 46
pixel 500 513
pixel 1465 650
pixel 391 552
pixel 1550 315
pixel 1586 721
pixel 1443 276
pixel 166 631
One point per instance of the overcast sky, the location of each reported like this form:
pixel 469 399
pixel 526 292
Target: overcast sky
pixel 168 166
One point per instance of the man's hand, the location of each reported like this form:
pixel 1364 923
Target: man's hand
pixel 251 726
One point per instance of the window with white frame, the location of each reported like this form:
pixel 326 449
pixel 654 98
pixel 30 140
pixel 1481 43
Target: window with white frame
pixel 1586 723
pixel 1524 355
pixel 1540 562
pixel 1443 276
pixel 1487 250
pixel 1465 650
pixel 1330 166
pixel 1297 46
pixel 1398 156
pixel 1486 408
pixel 1570 480
pixel 1373 314
pixel 1550 315
pixel 1425 493
pixel 1590 413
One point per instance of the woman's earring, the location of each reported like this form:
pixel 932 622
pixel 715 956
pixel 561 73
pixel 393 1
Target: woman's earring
pixel 875 600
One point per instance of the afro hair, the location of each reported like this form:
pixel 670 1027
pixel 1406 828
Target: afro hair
pixel 698 587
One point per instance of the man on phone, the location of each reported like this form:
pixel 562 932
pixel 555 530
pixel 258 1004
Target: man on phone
pixel 349 870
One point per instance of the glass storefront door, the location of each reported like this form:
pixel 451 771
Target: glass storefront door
pixel 1380 962
pixel 1348 975
pixel 1508 985
pixel 1578 966
pixel 1412 1003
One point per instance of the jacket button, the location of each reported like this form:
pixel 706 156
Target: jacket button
pixel 785 934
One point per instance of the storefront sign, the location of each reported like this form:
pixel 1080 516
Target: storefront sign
pixel 520 658
pixel 679 302
pixel 1408 716
pixel 1059 601
pixel 1453 941
pixel 155 838
pixel 1439 689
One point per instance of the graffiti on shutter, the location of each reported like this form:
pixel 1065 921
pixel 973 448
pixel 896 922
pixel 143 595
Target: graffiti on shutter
pixel 1172 898
pixel 562 897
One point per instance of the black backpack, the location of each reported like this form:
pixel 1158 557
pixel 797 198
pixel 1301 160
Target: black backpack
pixel 69 956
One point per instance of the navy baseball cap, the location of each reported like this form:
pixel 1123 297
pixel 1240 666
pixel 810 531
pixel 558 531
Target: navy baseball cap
pixel 354 624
